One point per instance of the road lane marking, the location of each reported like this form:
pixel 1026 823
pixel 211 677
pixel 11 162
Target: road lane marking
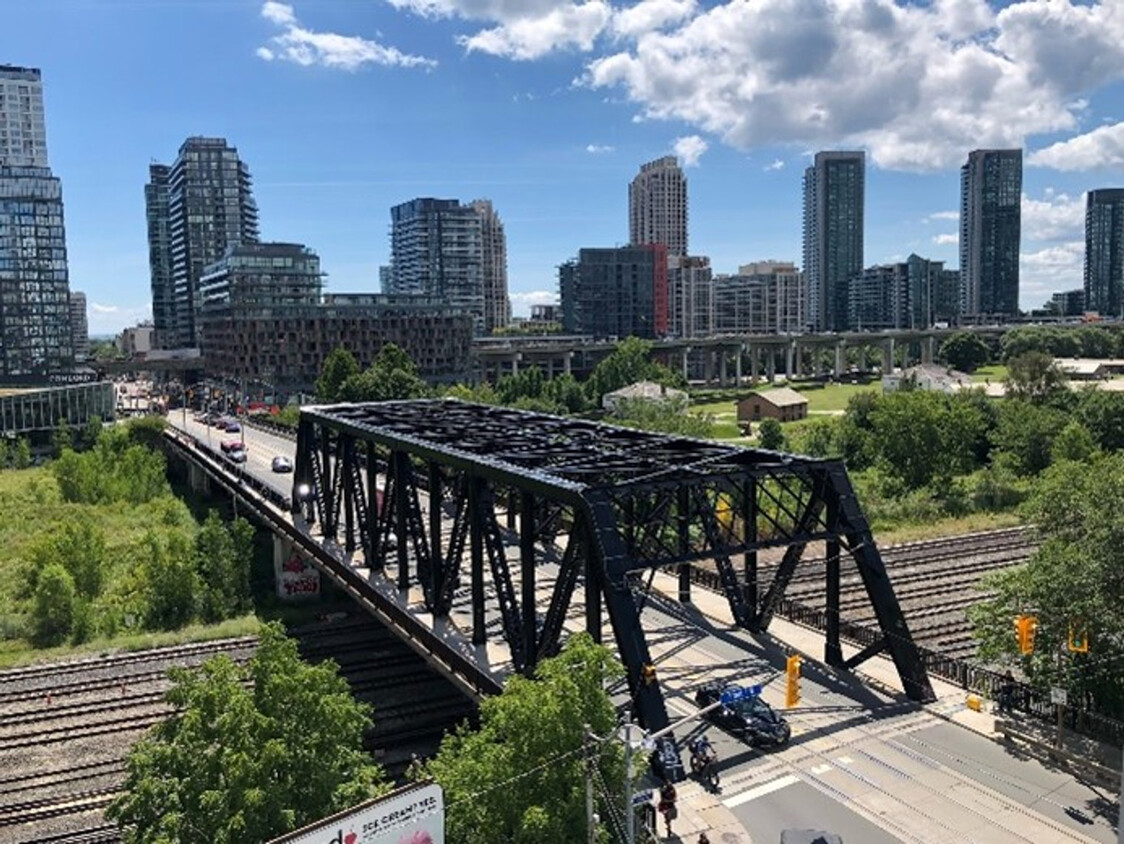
pixel 760 790
pixel 821 769
pixel 844 760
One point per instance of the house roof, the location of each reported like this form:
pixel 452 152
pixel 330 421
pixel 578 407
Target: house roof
pixel 780 397
pixel 645 390
pixel 934 373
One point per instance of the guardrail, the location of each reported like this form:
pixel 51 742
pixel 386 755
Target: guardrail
pixel 277 517
pixel 964 673
pixel 269 426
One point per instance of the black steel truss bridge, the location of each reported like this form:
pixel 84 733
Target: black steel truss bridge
pixel 431 492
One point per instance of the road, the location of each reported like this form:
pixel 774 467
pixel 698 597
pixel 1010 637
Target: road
pixel 261 448
pixel 861 764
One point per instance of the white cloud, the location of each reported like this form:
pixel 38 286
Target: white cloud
pixel 690 149
pixel 775 164
pixel 521 302
pixel 946 239
pixel 531 37
pixel 1100 149
pixel 916 84
pixel 944 215
pixel 649 15
pixel 1051 269
pixel 598 149
pixel 347 52
pixel 1056 217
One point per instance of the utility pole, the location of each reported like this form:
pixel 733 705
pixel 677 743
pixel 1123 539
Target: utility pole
pixel 1061 706
pixel 591 818
pixel 1120 804
pixel 629 815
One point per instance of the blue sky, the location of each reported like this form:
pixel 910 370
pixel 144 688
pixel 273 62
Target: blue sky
pixel 343 108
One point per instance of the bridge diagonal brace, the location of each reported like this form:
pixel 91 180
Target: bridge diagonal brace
pixel 873 649
pixel 501 576
pixel 785 571
pixel 454 557
pixel 609 550
pixel 708 514
pixel 568 571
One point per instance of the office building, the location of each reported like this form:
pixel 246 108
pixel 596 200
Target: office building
pixel 1069 303
pixel 442 249
pixel 834 190
pixel 35 334
pixel 657 206
pixel 136 341
pixel 79 326
pixel 946 297
pixel 197 208
pixel 616 293
pixel 904 295
pixel 690 295
pixel 765 297
pixel 260 275
pixel 990 229
pixel 1104 252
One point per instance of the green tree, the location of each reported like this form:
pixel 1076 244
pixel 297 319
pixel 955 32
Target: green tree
pixel 817 438
pixel 770 435
pixel 338 366
pixel 1072 580
pixel 21 454
pixel 391 376
pixel 664 417
pixel 5 453
pixel 1033 376
pixel 62 438
pixel 222 560
pixel 54 602
pixel 91 433
pixel 1102 413
pixel 628 363
pixel 1025 435
pixel 170 584
pixel 1073 442
pixel 519 777
pixel 79 546
pixel 964 351
pixel 249 753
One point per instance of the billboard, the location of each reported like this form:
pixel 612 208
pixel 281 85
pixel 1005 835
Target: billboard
pixel 411 815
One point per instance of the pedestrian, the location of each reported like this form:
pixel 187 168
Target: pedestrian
pixel 667 804
pixel 703 839
pixel 1006 694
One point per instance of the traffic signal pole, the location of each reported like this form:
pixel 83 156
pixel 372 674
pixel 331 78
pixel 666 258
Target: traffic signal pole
pixel 629 814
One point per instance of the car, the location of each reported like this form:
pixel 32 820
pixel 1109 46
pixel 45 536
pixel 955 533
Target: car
pixel 282 464
pixel 236 456
pixel 750 718
pixel 233 428
pixel 232 445
pixel 665 762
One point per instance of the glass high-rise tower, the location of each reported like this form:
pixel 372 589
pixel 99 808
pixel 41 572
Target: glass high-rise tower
pixel 1104 251
pixel 990 230
pixel 834 192
pixel 197 208
pixel 35 336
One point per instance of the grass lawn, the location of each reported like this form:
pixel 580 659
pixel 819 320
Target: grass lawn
pixel 995 373
pixel 973 523
pixel 833 398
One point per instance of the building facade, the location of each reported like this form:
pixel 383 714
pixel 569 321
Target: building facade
pixel 618 292
pixel 990 233
pixel 458 253
pixel 260 275
pixel 690 295
pixel 834 196
pixel 136 340
pixel 42 410
pixel 905 295
pixel 766 297
pixel 657 205
pixel 1104 252
pixel 197 209
pixel 493 246
pixel 35 333
pixel 79 326
pixel 1068 303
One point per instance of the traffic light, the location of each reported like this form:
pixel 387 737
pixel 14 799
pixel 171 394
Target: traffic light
pixel 792 690
pixel 1025 627
pixel 648 673
pixel 1079 640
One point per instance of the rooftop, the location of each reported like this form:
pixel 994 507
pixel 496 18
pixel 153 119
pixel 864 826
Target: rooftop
pixel 781 397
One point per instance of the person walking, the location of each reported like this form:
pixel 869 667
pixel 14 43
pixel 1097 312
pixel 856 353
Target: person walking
pixel 1006 694
pixel 667 806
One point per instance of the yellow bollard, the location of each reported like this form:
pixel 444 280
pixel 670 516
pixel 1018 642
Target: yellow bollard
pixel 975 703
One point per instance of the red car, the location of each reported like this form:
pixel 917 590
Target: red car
pixel 228 446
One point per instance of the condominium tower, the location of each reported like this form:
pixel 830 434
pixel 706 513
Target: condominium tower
pixel 990 229
pixel 657 206
pixel 441 248
pixel 198 208
pixel 79 326
pixel 35 336
pixel 1104 251
pixel 834 188
pixel 616 293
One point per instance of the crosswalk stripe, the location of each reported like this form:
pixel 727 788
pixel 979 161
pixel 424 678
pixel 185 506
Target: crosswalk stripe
pixel 820 769
pixel 760 790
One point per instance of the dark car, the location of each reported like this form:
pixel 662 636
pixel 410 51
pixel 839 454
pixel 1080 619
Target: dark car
pixel 749 718
pixel 237 456
pixel 665 761
pixel 282 464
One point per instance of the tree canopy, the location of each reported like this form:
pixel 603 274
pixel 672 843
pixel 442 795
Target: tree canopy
pixel 249 753
pixel 519 777
pixel 338 366
pixel 392 375
pixel 964 351
pixel 628 363
pixel 1033 376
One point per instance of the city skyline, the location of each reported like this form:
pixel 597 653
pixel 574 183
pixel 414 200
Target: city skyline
pixel 553 130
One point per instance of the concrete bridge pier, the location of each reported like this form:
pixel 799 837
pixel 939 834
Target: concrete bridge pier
pixel 738 366
pixel 197 479
pixel 567 363
pixel 790 353
pixel 771 365
pixel 684 359
pixel 721 367
pixel 754 364
pixel 708 365
pixel 817 362
pixel 928 349
pixel 888 356
pixel 840 359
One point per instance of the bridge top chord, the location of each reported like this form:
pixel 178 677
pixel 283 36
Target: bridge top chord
pixel 571 453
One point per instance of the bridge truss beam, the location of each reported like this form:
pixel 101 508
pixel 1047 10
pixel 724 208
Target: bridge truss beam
pixel 436 491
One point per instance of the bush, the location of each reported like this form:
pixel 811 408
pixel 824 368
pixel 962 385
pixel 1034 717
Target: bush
pixel 54 605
